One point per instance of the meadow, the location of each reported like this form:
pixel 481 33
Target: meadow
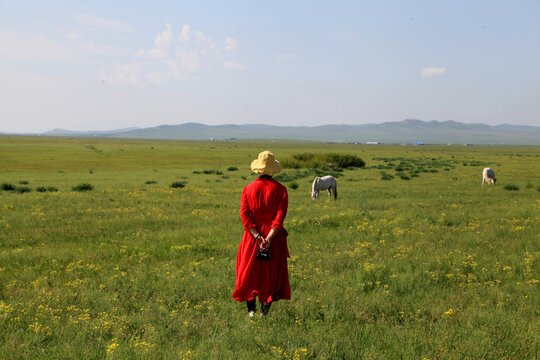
pixel 414 260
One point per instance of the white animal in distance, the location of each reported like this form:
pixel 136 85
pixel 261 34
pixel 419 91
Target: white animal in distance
pixel 488 176
pixel 324 183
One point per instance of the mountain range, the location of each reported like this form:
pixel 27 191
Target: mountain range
pixel 406 131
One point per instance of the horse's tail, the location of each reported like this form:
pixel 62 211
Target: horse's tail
pixel 335 191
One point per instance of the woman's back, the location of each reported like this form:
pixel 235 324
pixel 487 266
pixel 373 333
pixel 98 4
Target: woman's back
pixel 263 197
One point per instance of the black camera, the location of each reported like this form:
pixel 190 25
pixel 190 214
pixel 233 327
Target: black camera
pixel 264 255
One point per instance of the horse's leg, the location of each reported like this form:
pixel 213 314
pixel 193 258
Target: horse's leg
pixel 330 192
pixel 335 192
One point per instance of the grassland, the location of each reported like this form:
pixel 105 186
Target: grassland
pixel 430 267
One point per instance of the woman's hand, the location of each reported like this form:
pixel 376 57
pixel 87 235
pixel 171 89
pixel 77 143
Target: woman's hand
pixel 259 238
pixel 265 243
pixel 268 239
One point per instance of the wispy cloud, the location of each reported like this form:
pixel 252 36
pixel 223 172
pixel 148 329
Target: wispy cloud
pixel 19 46
pixel 74 47
pixel 282 57
pixel 432 72
pixel 104 23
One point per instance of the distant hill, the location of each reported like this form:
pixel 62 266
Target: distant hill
pixel 406 131
pixel 63 132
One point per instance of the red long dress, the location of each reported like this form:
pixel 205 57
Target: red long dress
pixel 263 206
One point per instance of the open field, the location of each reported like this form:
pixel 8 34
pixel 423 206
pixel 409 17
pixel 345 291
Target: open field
pixel 435 266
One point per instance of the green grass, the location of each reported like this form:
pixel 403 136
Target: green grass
pixel 436 267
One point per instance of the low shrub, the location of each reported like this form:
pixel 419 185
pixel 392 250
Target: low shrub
pixel 476 163
pixel 294 185
pixel 82 187
pixel 149 182
pixel 22 189
pixel 285 177
pixel 209 172
pixel 403 176
pixel 178 184
pixel 330 160
pixel 232 168
pixel 41 189
pixel 52 189
pixel 303 156
pixel 343 161
pixel 8 187
pixel 386 176
pixel 23 182
pixel 511 187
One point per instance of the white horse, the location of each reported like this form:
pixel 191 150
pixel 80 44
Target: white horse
pixel 488 176
pixel 324 183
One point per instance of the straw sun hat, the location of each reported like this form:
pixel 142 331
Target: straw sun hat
pixel 266 164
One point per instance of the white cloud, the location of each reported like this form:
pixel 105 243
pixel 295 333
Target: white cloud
pixel 164 39
pixel 185 34
pixel 189 60
pixel 163 43
pixel 152 54
pixel 431 72
pixel 196 51
pixel 185 55
pixel 282 57
pixel 104 23
pixel 231 44
pixel 233 65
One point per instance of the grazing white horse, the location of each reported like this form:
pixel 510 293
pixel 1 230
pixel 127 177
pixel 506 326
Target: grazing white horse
pixel 324 183
pixel 488 176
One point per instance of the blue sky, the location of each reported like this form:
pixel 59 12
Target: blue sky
pixel 89 65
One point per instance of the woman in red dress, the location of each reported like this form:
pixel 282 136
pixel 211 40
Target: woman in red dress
pixel 263 209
